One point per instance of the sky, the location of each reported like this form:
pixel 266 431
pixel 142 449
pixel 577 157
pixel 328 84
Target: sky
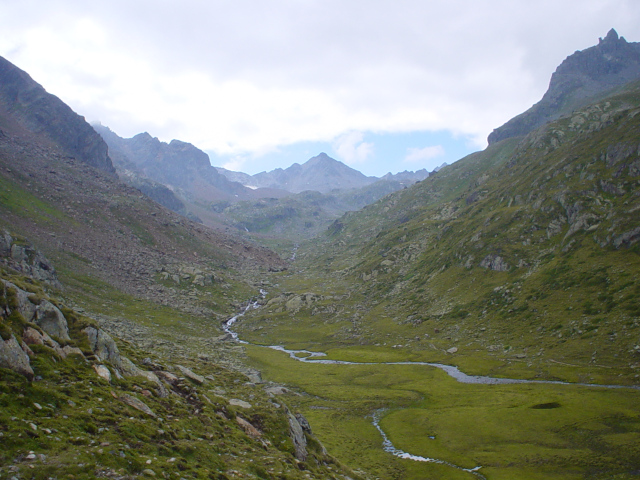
pixel 381 85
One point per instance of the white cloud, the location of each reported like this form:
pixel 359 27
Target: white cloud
pixel 352 149
pixel 416 155
pixel 244 77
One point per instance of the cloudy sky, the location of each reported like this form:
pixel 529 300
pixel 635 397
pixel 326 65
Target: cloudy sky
pixel 382 85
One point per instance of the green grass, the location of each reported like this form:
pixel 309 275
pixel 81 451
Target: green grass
pixel 502 428
pixel 21 202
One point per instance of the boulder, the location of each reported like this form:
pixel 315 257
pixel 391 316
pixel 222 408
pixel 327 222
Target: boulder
pixel 239 403
pixel 103 372
pixel 51 320
pixel 26 308
pixel 103 346
pixel 13 357
pixel 137 404
pixel 190 375
pixel 296 433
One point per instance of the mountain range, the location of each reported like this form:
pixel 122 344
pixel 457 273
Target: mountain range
pixel 517 265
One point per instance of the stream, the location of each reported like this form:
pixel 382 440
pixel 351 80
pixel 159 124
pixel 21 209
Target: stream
pixel 316 357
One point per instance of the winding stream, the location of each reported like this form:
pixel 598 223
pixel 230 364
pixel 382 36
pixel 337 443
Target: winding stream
pixel 316 357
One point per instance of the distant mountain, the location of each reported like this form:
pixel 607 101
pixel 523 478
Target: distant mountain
pixel 320 173
pixel 177 164
pixel 581 78
pixel 27 108
pixel 407 177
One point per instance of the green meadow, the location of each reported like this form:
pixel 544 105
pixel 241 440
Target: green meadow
pixel 523 431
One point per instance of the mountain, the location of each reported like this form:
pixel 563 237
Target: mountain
pixel 518 262
pixel 112 360
pixel 407 178
pixel 320 173
pixel 33 110
pixel 580 79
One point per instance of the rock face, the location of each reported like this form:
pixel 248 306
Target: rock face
pixel 579 79
pixel 45 114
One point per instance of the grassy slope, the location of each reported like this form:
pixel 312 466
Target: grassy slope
pixel 402 280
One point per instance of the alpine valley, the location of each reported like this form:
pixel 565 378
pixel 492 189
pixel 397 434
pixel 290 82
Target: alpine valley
pixel 161 317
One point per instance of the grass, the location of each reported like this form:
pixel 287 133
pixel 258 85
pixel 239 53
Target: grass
pixel 501 427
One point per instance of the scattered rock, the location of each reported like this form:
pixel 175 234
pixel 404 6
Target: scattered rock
pixel 452 350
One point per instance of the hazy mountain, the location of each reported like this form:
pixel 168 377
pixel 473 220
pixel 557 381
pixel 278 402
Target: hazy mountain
pixel 320 173
pixel 177 164
pixel 580 79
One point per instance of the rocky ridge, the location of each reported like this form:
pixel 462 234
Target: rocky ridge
pixel 580 79
pixel 38 112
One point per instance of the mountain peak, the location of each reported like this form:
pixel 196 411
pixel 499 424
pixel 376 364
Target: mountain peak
pixel 581 77
pixel 612 36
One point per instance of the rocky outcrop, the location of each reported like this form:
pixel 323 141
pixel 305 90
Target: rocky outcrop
pixel 13 357
pixel 494 262
pixel 580 79
pixel 105 348
pixel 26 259
pixel 296 432
pixel 44 114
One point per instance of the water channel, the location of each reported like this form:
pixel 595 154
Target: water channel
pixel 307 356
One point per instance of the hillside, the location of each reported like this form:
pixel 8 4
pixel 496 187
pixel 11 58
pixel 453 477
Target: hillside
pixel 483 322
pixel 113 363
pixel 517 262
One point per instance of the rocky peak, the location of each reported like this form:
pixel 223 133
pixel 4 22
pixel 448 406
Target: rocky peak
pixel 25 103
pixel 579 79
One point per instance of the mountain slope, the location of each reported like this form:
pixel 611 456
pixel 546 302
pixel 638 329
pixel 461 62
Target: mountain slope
pixel 579 80
pixel 112 362
pixel 33 109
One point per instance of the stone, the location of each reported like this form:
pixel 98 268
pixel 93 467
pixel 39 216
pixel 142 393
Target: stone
pixel 51 320
pixel 26 308
pixel 297 436
pixel 103 372
pixel 239 403
pixel 494 262
pixel 103 346
pixel 14 358
pixel 248 428
pixel 137 404
pixel 452 350
pixel 191 375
